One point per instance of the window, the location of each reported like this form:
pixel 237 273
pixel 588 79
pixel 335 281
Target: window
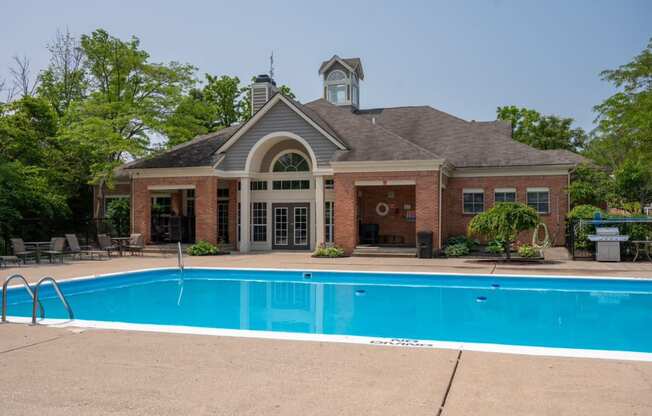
pixel 238 221
pixel 291 185
pixel 259 221
pixel 224 192
pixel 337 94
pixel 473 201
pixel 291 162
pixel 539 199
pixel 162 204
pixel 504 195
pixel 336 75
pixel 329 184
pixel 258 186
pixel 190 203
pixel 355 95
pixel 329 223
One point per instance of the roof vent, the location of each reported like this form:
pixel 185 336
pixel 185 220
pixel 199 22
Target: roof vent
pixel 373 120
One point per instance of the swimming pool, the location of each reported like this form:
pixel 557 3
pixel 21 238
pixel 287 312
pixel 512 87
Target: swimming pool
pixel 412 309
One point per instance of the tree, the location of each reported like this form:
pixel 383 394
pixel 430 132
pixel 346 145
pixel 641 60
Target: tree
pixel 543 132
pixel 504 222
pixel 226 94
pixel 65 79
pixel 591 185
pixel 130 99
pixel 633 181
pixel 22 76
pixel 625 119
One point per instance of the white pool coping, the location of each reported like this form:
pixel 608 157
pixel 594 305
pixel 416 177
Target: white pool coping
pixel 350 339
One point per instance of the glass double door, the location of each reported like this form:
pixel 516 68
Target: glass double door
pixel 291 226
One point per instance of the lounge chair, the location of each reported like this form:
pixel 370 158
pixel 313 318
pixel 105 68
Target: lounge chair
pixel 77 250
pixel 106 245
pixel 136 244
pixel 57 246
pixel 20 251
pixel 5 260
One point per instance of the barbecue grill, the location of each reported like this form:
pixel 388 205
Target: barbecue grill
pixel 608 241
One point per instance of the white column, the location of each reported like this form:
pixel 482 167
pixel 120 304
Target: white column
pixel 245 210
pixel 319 210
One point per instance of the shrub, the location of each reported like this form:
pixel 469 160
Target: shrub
pixel 527 250
pixel 503 222
pixel 118 214
pixel 202 248
pixel 495 247
pixel 329 251
pixel 457 250
pixel 586 212
pixel 462 239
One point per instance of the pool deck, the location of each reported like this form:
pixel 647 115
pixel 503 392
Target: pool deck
pixel 65 371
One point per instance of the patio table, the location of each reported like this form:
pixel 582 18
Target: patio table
pixel 37 247
pixel 121 242
pixel 642 246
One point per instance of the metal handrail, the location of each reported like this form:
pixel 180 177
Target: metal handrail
pixel 4 294
pixel 59 293
pixel 179 256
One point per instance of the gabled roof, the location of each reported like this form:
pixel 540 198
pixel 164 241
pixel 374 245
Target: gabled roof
pixel 352 64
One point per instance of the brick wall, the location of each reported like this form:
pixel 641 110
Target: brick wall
pixel 426 198
pixel 205 205
pixel 455 222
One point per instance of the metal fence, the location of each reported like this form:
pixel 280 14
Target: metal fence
pixel 578 230
pixel 36 229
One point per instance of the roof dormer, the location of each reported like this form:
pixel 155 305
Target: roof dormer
pixel 342 78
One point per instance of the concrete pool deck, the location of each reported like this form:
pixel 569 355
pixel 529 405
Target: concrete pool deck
pixel 64 371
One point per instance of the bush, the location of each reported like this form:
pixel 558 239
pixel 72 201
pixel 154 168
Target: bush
pixel 462 239
pixel 329 251
pixel 527 250
pixel 495 247
pixel 202 248
pixel 118 214
pixel 586 212
pixel 457 250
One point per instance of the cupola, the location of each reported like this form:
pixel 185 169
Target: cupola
pixel 342 78
pixel 261 91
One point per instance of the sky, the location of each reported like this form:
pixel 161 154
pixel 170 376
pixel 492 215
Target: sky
pixel 462 57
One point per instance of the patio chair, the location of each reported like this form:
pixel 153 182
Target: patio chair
pixel 106 245
pixel 77 250
pixel 5 260
pixel 57 246
pixel 136 244
pixel 20 251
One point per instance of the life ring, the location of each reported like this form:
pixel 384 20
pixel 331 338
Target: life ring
pixel 540 244
pixel 382 209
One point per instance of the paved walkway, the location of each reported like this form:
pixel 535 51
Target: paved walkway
pixel 296 260
pixel 68 371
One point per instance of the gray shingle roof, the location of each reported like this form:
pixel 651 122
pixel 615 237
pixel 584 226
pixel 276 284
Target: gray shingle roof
pixel 197 152
pixel 382 134
pixel 367 141
pixel 463 143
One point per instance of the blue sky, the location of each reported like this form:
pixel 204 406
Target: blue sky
pixel 465 58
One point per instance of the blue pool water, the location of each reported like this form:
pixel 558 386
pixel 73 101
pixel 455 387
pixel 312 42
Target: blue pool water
pixel 573 313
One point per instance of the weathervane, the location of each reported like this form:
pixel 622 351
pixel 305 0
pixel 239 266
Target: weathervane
pixel 271 65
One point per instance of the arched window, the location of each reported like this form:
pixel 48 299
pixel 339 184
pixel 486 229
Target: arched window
pixel 336 75
pixel 291 162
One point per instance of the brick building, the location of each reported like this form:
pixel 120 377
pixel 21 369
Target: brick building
pixel 296 175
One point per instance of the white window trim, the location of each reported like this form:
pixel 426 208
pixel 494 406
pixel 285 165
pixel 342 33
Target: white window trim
pixel 340 80
pixel 474 191
pixel 539 189
pixel 500 190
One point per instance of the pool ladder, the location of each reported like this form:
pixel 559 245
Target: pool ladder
pixel 34 295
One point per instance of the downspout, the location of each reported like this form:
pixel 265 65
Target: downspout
pixel 439 224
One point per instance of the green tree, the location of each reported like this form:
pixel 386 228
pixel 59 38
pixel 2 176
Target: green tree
pixel 543 132
pixel 633 181
pixel 504 222
pixel 64 80
pixel 118 213
pixel 130 99
pixel 625 119
pixel 591 185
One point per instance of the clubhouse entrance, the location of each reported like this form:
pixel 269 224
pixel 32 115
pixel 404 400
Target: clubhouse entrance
pixel 291 226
